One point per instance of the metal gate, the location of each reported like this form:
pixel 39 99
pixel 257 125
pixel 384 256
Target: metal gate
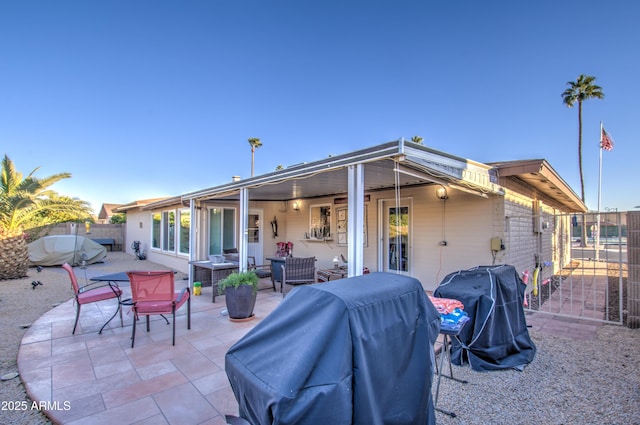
pixel 579 266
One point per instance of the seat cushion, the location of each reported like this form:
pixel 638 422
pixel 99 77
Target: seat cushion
pixel 153 307
pixel 98 294
pixel 160 307
pixel 262 273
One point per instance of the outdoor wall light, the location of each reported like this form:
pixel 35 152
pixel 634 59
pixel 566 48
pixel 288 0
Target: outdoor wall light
pixel 296 206
pixel 441 193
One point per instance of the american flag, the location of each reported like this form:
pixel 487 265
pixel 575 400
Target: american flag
pixel 606 142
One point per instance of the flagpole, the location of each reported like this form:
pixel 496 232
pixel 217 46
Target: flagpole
pixel 599 198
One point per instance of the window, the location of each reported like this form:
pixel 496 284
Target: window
pixel 254 228
pixel 222 229
pixel 156 226
pixel 185 231
pixel 397 236
pixel 169 231
pixel 163 230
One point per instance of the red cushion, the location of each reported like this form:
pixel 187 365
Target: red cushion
pixel 160 307
pixel 98 294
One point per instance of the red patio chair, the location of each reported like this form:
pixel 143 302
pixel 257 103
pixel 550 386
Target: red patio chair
pixel 91 293
pixel 153 292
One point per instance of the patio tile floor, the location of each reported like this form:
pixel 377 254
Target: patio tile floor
pixel 100 379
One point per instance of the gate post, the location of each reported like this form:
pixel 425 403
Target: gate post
pixel 633 259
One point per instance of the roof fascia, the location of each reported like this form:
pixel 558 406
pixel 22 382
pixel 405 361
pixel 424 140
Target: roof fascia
pixel 169 202
pixel 543 168
pixel 469 175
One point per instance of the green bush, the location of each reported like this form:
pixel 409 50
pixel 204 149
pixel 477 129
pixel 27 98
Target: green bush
pixel 237 279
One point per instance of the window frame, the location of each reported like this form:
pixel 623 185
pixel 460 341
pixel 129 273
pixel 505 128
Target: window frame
pixel 223 231
pixel 183 231
pixel 167 237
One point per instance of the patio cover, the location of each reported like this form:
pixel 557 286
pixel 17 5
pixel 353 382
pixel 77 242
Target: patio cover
pixel 357 350
pixel 496 337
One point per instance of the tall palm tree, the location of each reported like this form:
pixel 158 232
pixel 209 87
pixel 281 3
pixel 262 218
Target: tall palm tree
pixel 417 139
pixel 25 204
pixel 580 90
pixel 255 143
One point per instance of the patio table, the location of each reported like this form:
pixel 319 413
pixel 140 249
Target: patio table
pixel 113 277
pixel 209 273
pixel 325 275
pixel 117 278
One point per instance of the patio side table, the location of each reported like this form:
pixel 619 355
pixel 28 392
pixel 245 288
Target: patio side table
pixel 446 351
pixel 209 274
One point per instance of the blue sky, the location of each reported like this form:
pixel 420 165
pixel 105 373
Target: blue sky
pixel 142 98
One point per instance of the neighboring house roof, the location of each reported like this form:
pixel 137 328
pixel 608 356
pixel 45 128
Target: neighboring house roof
pixel 136 204
pixel 107 211
pixel 539 174
pixel 413 163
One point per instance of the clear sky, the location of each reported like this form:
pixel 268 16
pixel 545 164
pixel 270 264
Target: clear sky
pixel 147 98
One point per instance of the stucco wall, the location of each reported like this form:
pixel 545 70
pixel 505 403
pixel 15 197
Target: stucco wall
pixel 464 221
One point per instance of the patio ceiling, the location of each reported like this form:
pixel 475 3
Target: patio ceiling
pixel 414 164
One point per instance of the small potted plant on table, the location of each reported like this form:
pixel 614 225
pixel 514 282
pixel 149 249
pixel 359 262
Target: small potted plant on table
pixel 240 290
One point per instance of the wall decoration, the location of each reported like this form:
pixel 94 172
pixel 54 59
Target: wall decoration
pixel 342 225
pixel 319 222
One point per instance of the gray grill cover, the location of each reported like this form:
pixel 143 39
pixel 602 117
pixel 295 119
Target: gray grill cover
pixel 356 350
pixel 496 337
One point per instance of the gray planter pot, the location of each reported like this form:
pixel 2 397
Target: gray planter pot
pixel 240 301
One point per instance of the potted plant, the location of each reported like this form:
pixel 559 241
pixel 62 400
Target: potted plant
pixel 240 290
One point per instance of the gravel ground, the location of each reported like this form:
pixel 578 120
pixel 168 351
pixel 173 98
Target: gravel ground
pixel 20 305
pixel 569 382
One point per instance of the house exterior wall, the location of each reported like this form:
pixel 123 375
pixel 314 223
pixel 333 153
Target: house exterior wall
pixel 536 233
pixel 466 222
pixel 138 228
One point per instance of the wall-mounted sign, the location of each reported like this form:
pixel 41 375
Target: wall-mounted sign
pixel 345 200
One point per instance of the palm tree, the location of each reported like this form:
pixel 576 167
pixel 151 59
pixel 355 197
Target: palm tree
pixel 417 139
pixel 580 90
pixel 25 204
pixel 255 143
